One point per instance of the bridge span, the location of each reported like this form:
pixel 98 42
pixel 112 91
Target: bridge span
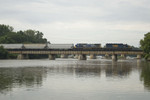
pixel 81 54
pixel 23 50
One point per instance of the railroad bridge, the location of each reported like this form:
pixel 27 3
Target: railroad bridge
pixel 81 54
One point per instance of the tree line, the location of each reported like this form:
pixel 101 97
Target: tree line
pixel 145 45
pixel 9 36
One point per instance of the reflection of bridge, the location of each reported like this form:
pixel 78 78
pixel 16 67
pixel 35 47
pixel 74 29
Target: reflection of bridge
pixel 23 50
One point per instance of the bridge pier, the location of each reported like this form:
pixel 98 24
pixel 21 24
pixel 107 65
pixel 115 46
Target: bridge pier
pixel 123 56
pixel 51 57
pixel 20 56
pixel 138 57
pixel 64 56
pixel 114 57
pixel 23 56
pixel 92 56
pixel 82 57
pixel 76 56
pixel 107 56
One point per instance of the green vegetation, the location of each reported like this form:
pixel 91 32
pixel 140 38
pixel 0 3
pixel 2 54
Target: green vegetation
pixel 8 35
pixel 145 45
pixel 3 53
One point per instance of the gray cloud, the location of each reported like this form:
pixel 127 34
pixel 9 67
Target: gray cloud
pixel 65 20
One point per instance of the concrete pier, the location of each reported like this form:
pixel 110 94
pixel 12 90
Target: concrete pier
pixel 123 56
pixel 82 57
pixel 20 56
pixel 114 57
pixel 138 57
pixel 51 57
pixel 107 56
pixel 76 56
pixel 64 56
pixel 92 56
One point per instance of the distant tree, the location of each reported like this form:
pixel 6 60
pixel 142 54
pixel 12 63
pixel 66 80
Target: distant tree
pixel 145 45
pixel 3 53
pixel 7 35
pixel 34 36
pixel 5 29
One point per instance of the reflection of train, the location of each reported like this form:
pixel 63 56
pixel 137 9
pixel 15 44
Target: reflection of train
pixel 79 46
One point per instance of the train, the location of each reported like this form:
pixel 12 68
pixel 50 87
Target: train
pixel 107 47
pixel 117 46
pixel 86 45
pixel 78 46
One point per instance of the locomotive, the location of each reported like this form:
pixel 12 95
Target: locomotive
pixel 107 47
pixel 117 46
pixel 85 45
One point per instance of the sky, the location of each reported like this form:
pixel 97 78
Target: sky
pixel 80 21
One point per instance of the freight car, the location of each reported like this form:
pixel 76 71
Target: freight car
pixel 60 46
pixel 34 46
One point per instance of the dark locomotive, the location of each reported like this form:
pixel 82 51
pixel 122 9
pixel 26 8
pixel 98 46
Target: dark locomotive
pixel 107 47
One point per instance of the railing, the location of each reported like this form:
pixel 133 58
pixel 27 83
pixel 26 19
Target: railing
pixel 56 51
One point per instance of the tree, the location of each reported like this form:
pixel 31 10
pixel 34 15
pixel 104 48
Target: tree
pixel 7 35
pixel 3 53
pixel 145 45
pixel 5 29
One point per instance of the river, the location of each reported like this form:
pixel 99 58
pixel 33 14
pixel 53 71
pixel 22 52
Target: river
pixel 70 79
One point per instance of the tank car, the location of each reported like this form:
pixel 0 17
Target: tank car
pixel 60 46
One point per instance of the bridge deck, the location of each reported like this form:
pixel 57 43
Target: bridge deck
pixel 87 52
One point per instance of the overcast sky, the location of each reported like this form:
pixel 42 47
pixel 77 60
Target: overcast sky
pixel 80 21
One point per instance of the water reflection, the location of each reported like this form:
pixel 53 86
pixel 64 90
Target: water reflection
pixel 34 76
pixel 118 69
pixel 19 77
pixel 145 74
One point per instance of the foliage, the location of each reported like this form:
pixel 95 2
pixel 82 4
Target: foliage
pixel 5 29
pixel 145 45
pixel 7 35
pixel 3 53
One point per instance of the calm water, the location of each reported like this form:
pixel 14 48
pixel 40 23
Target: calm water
pixel 68 79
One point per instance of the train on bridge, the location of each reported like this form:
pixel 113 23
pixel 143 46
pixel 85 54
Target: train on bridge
pixel 107 47
pixel 76 47
pixel 80 50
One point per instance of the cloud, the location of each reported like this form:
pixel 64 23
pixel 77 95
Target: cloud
pixel 73 21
